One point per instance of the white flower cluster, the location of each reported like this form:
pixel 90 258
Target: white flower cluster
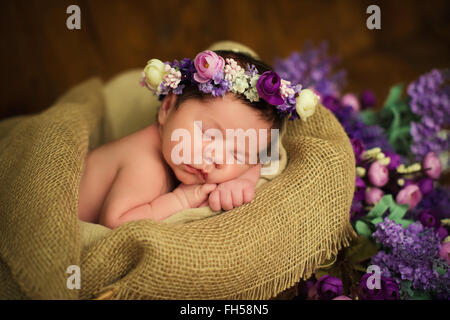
pixel 240 82
pixel 172 77
pixel 285 90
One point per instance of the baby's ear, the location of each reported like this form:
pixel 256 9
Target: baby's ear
pixel 167 105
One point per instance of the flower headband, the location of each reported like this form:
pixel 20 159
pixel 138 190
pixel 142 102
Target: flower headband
pixel 214 75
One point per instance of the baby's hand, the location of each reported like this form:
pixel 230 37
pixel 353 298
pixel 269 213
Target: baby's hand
pixel 232 194
pixel 191 196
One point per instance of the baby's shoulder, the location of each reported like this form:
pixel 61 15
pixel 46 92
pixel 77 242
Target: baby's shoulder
pixel 140 154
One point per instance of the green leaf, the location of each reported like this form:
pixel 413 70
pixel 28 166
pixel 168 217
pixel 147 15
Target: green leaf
pixel 361 250
pixel 369 117
pixel 420 295
pixel 363 229
pixel 381 207
pixel 394 95
pixel 397 211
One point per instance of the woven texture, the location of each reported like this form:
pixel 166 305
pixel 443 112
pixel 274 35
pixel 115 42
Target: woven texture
pixel 296 222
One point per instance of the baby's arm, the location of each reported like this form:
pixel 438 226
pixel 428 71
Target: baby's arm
pixel 146 201
pixel 234 193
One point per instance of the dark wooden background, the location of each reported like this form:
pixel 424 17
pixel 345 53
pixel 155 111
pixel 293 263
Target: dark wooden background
pixel 41 58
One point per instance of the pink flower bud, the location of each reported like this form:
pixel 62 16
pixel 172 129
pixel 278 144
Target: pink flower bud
pixel 433 164
pixel 378 174
pixel 342 298
pixel 445 251
pixel 409 195
pixel 373 195
pixel 351 100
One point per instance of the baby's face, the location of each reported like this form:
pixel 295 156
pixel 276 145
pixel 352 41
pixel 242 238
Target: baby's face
pixel 194 118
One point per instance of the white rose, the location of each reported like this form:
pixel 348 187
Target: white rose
pixel 306 105
pixel 154 73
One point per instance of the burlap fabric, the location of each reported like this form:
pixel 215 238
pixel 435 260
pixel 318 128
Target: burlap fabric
pixel 297 221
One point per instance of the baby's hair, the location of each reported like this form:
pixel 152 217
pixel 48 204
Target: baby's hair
pixel 267 111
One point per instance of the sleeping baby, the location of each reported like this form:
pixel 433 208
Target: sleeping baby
pixel 218 116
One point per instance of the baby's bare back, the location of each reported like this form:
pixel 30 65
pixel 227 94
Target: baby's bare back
pixel 136 154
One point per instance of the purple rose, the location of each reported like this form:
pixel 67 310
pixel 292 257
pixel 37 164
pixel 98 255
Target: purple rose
pixel 373 195
pixel 395 160
pixel 432 165
pixel 208 64
pixel 367 98
pixel 331 103
pixel 428 219
pixel 390 289
pixel 369 294
pixel 358 148
pixel 425 185
pixel 268 87
pixel 329 287
pixel 444 252
pixel 378 174
pixel 410 195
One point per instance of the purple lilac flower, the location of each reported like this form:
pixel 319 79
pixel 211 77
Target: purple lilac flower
pixel 430 99
pixel 312 67
pixel 412 254
pixel 367 99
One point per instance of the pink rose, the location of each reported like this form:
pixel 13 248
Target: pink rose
pixel 378 174
pixel 409 195
pixel 445 251
pixel 433 164
pixel 373 195
pixel 342 298
pixel 208 64
pixel 351 100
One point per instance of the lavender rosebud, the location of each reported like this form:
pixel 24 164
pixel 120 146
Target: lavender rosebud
pixel 378 174
pixel 350 100
pixel 432 165
pixel 342 298
pixel 329 287
pixel 428 219
pixel 410 195
pixel 373 195
pixel 425 185
pixel 367 98
pixel 444 252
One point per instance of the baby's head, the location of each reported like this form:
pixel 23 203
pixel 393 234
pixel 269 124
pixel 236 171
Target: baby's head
pixel 219 113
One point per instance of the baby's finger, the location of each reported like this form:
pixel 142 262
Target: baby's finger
pixel 204 204
pixel 225 200
pixel 214 201
pixel 208 187
pixel 237 197
pixel 249 194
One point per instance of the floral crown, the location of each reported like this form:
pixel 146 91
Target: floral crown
pixel 214 75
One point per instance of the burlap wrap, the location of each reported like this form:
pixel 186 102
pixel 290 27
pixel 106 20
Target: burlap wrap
pixel 297 221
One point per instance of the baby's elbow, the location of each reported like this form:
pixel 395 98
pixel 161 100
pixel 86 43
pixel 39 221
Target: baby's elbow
pixel 109 220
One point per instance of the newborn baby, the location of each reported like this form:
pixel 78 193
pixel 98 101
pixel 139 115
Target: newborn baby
pixel 155 172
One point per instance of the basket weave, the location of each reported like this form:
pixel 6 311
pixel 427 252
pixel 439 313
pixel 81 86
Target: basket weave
pixel 296 222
